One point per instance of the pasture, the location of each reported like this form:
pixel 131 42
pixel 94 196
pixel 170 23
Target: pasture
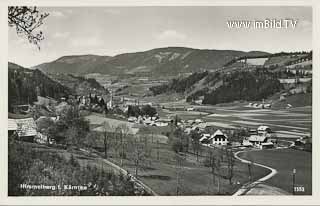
pixel 300 160
pixel 288 123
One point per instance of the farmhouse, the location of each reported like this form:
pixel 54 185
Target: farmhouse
pixel 257 139
pixel 218 138
pixel 27 129
pixel 205 138
pixel 263 130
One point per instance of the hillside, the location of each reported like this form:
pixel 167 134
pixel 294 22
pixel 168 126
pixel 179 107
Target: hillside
pixel 161 61
pixel 78 84
pixel 255 84
pixel 24 85
pixel 80 64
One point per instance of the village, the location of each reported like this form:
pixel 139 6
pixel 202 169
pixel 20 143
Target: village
pixel 26 128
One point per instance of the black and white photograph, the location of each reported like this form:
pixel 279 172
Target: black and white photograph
pixel 159 101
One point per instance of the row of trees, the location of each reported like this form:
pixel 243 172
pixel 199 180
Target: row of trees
pixel 136 111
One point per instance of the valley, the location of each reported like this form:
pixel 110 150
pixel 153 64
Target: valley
pixel 155 115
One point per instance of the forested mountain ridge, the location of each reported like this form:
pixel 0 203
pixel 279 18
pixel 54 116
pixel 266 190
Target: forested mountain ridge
pixel 25 84
pixel 160 61
pixel 78 84
pixel 219 87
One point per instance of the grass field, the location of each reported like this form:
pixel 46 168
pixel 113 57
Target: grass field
pixel 284 161
pixel 295 120
pixel 194 177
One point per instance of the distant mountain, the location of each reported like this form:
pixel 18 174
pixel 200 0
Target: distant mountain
pixel 161 61
pixel 78 64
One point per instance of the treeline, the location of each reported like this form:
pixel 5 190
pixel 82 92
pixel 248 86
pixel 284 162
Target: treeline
pixel 24 85
pixel 136 111
pixel 269 56
pixel 91 81
pixel 36 167
pixel 251 86
pixel 179 85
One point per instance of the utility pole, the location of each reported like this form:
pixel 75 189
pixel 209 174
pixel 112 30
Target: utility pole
pixel 178 167
pixel 293 179
pixel 157 149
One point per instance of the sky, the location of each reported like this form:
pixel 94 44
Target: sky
pixel 114 30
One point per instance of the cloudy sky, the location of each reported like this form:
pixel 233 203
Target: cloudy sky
pixel 115 30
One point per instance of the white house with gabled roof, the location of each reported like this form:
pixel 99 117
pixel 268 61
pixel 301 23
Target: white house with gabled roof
pixel 218 138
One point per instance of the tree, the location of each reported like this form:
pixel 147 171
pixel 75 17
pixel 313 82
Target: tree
pixel 106 137
pixel 195 136
pixel 178 165
pixel 138 152
pixel 122 132
pixel 231 162
pixel 26 20
pixel 91 140
pixel 133 111
pixel 211 163
pixel 218 167
pixel 148 110
pixel 250 166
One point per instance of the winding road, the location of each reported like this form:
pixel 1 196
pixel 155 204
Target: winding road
pixel 249 186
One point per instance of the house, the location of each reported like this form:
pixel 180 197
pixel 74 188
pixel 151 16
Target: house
pixel 198 121
pixel 218 138
pixel 257 139
pixel 266 145
pixel 261 141
pixel 12 127
pixel 132 119
pixel 204 139
pixel 27 129
pixel 190 109
pixel 267 106
pixel 46 101
pixel 263 130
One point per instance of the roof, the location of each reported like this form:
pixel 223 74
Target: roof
pixel 257 138
pixel 263 128
pixel 12 125
pixel 267 143
pixel 26 127
pixel 205 136
pixel 18 116
pixel 218 133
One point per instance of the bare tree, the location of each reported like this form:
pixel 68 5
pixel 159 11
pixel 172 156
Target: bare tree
pixel 138 154
pixel 26 20
pixel 147 149
pixel 195 136
pixel 123 132
pixel 178 173
pixel 250 166
pixel 231 161
pixel 211 163
pixel 107 129
pixel 91 141
pixel 158 152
